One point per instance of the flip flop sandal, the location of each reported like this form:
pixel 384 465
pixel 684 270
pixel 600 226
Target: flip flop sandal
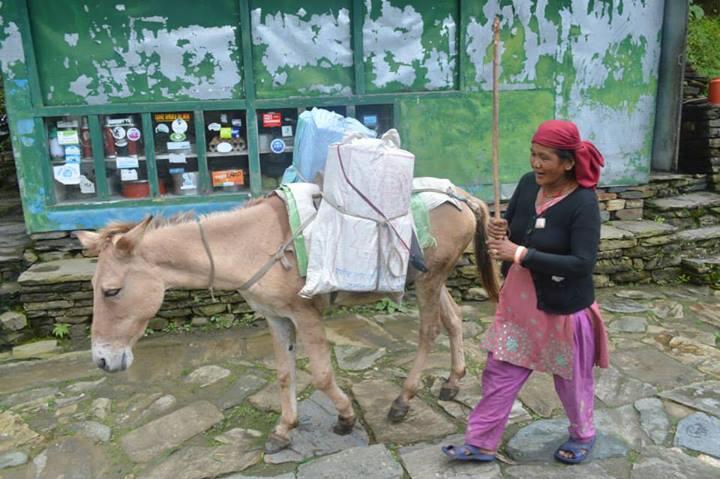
pixel 579 450
pixel 467 453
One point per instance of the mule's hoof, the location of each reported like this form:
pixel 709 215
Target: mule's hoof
pixel 276 443
pixel 344 426
pixel 398 411
pixel 448 393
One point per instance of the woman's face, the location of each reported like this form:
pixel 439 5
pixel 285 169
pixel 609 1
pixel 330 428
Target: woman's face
pixel 549 169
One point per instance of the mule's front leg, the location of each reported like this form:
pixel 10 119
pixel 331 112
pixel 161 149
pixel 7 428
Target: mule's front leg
pixel 283 336
pixel 312 335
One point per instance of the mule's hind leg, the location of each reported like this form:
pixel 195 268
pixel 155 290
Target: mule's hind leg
pixel 312 335
pixel 283 337
pixel 429 302
pixel 451 319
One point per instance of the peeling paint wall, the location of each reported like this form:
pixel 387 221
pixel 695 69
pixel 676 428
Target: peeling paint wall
pixel 90 52
pixel 301 48
pixel 410 46
pixel 600 57
pixel 12 54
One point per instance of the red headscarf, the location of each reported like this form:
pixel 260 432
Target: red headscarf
pixel 564 135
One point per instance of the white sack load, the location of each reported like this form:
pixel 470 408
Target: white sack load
pixel 352 247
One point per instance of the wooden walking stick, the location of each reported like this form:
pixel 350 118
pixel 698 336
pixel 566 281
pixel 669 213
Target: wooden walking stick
pixel 496 116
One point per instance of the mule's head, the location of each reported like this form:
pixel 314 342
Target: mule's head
pixel 127 292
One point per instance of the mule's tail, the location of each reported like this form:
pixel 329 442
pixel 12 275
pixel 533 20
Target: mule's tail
pixel 487 267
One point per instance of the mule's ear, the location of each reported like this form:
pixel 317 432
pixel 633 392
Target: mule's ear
pixel 90 242
pixel 129 241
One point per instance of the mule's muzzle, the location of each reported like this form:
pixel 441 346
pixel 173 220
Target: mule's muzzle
pixel 112 360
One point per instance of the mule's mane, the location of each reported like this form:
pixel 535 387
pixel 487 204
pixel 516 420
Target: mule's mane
pixel 115 228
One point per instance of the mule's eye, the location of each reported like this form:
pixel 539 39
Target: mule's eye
pixel 109 293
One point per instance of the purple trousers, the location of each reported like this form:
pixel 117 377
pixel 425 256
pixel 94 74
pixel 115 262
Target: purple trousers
pixel 502 381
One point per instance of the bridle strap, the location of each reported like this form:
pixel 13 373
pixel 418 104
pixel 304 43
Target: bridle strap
pixel 211 275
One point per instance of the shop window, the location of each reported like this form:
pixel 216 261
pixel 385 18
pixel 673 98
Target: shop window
pixel 276 136
pixel 227 151
pixel 125 166
pixel 176 153
pixel 376 117
pixel 71 158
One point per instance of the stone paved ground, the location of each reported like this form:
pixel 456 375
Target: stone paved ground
pixel 199 404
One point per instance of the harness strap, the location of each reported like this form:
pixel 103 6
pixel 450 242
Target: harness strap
pixel 211 275
pixel 279 255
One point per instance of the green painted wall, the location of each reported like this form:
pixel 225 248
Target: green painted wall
pixel 98 52
pixel 592 61
pixel 452 137
pixel 301 48
pixel 410 45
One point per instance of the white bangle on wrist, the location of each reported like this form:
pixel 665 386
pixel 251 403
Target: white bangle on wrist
pixel 518 252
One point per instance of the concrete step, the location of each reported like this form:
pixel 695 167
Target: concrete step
pixel 688 201
pixel 702 270
pixel 690 210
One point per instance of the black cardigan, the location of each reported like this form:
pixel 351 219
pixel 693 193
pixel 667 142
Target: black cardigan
pixel 562 254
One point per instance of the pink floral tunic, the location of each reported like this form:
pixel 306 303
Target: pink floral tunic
pixel 526 336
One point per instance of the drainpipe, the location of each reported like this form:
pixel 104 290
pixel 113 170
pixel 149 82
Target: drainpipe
pixel 666 135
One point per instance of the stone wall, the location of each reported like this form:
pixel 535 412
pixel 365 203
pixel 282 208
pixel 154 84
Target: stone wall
pixel 60 292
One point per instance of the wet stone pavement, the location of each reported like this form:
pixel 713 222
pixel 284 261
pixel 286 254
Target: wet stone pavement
pixel 200 404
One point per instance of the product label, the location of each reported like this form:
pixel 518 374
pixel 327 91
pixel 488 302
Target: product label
pixel 126 162
pixel 67 124
pixel 72 154
pixel 86 186
pixel 177 158
pixel 119 121
pixel 287 130
pixel 178 145
pixel 133 134
pixel 128 175
pixel 68 174
pixel 119 132
pixel 179 125
pixel 171 116
pixel 271 119
pixel 228 178
pixel 277 146
pixel 68 137
pixel 188 181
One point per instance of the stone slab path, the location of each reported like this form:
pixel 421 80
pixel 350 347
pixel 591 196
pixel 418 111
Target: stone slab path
pixel 200 404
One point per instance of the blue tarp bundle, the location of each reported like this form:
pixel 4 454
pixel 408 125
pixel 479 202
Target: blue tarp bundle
pixel 316 130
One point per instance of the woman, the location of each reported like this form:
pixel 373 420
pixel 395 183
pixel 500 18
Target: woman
pixel 547 319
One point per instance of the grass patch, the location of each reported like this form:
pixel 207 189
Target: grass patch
pixel 703 34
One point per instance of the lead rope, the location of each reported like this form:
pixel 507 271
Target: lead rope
pixel 211 275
